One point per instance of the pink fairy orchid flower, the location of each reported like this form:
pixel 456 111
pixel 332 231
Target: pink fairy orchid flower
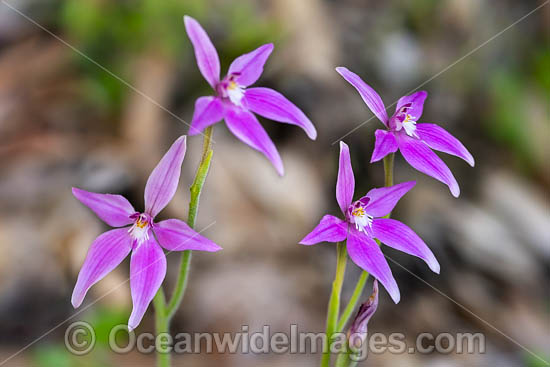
pixel 234 102
pixel 139 234
pixel 364 222
pixel 412 139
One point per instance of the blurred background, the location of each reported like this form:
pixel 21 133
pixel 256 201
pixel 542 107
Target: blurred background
pixel 91 118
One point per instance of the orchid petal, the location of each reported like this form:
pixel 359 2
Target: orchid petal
pixel 423 159
pixel 107 251
pixel 330 229
pixel 367 255
pixel 382 200
pixel 395 234
pixel 208 111
pixel 385 144
pixel 417 103
pixel 163 181
pixel 250 66
pixel 176 235
pixel 114 210
pixel 205 52
pixel 246 128
pixel 371 98
pixel 147 271
pixel 273 105
pixel 345 184
pixel 439 139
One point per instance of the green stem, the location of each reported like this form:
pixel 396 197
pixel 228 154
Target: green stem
pixel 348 311
pixel 334 302
pixel 195 189
pixel 388 169
pixel 164 313
pixel 162 325
pixel 343 358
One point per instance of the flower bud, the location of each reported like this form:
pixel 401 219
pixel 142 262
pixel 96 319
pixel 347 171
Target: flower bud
pixel 357 333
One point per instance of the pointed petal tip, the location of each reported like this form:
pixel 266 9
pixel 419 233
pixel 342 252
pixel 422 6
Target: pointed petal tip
pixel 187 18
pixel 182 140
pixel 76 302
pixel 434 266
pixel 455 190
pixel 312 133
pixel 340 69
pixel 408 184
pixel 192 131
pixel 216 248
pixel 279 167
pixel 422 93
pixel 374 159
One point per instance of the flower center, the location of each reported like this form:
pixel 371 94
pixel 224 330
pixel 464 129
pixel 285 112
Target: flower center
pixel 235 92
pixel 403 120
pixel 409 124
pixel 230 89
pixel 140 229
pixel 359 216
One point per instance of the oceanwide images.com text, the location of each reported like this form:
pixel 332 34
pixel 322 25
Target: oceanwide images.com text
pixel 80 339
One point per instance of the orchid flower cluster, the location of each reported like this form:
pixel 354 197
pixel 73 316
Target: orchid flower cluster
pixel 364 226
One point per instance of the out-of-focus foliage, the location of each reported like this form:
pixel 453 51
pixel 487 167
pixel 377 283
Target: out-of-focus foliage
pixel 114 33
pixel 103 321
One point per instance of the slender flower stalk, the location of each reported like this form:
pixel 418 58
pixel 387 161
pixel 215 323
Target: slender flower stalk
pixel 165 312
pixel 196 190
pixel 334 302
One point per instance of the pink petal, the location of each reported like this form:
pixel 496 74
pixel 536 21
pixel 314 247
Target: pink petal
pixel 417 103
pixel 163 181
pixel 246 128
pixel 371 98
pixel 106 252
pixel 205 52
pixel 114 210
pixel 330 229
pixel 385 144
pixel 273 105
pixel 397 235
pixel 208 111
pixel 251 65
pixel 176 235
pixel 147 271
pixel 367 255
pixel 423 159
pixel 383 200
pixel 345 185
pixel 439 139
